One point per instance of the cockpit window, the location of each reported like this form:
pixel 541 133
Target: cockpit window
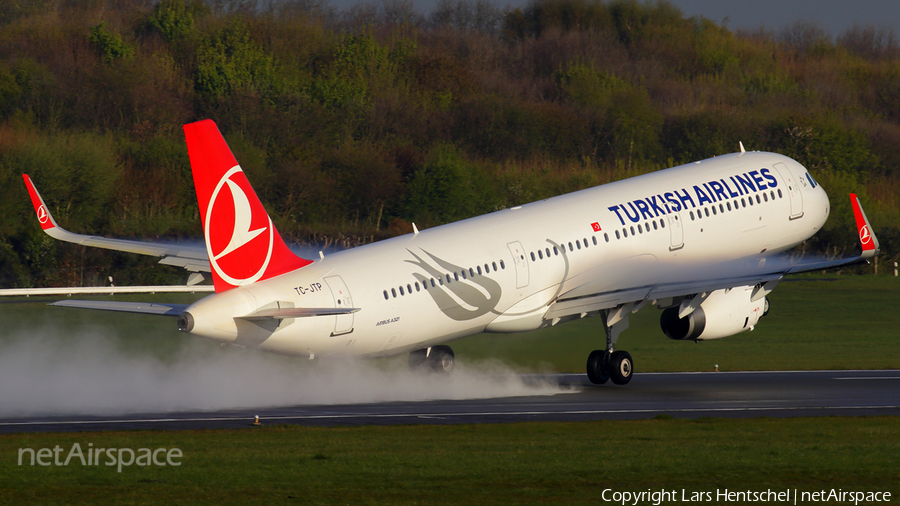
pixel 811 180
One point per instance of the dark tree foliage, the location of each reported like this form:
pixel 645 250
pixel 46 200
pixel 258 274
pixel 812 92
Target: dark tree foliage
pixel 353 124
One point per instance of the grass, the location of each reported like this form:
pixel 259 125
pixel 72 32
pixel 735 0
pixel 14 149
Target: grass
pixel 525 463
pixel 814 323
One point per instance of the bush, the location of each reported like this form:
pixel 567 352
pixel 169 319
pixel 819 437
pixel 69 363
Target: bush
pixel 109 45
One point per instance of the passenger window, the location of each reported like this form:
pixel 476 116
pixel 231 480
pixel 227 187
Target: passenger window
pixel 556 251
pixel 487 268
pixel 692 215
pixel 655 227
pixel 640 230
pixel 455 277
pixel 606 236
pixel 757 199
pixel 548 252
pixel 578 244
pixel 394 292
pixel 570 247
pixel 401 291
pixel 585 242
pixel 728 205
pixel 494 265
pixel 765 197
pixel 432 282
pixel 617 235
pixel 624 232
pixel 441 281
pixel 632 230
pixel 662 223
pixel 463 273
pixel 779 193
pixel 417 285
pixel 772 194
pixel 540 254
pixel 448 277
pixel 409 289
pixel 706 211
pixel 594 239
pixel 532 256
pixel 479 270
pixel 385 295
pixel 502 265
pixel 714 210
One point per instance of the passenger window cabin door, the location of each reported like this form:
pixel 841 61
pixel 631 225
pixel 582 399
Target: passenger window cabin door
pixel 520 263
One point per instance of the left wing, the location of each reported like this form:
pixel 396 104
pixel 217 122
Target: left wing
pixel 192 258
pixel 763 274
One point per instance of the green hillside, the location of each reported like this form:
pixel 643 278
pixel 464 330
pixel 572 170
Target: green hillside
pixel 354 124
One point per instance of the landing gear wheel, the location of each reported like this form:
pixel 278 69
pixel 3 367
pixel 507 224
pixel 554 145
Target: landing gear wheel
pixel 440 360
pixel 597 367
pixel 621 367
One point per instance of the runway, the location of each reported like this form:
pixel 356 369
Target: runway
pixel 680 395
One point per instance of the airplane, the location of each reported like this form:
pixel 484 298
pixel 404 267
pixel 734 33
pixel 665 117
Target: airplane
pixel 701 241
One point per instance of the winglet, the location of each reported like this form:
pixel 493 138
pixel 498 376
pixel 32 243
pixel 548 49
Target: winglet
pixel 40 209
pixel 867 238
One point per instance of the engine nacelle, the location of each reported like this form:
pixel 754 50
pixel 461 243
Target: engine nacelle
pixel 722 314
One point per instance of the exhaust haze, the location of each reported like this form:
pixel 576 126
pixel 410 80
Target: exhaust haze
pixel 50 372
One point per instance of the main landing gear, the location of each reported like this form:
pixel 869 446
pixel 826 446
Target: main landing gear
pixel 438 359
pixel 612 364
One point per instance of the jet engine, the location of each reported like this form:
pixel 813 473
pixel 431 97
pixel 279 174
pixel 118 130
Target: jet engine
pixel 724 313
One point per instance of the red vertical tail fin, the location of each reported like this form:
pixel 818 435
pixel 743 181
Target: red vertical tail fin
pixel 241 241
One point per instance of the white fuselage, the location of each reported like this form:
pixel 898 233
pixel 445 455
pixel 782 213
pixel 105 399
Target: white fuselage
pixel 503 271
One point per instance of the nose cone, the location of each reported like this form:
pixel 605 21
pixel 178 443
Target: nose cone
pixel 821 204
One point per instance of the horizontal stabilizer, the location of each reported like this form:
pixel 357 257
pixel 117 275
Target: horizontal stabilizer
pixel 297 312
pixel 125 307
